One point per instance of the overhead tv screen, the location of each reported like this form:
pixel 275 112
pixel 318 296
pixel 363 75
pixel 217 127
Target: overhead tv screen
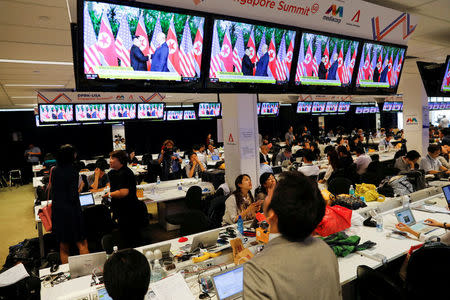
pixel 325 60
pixel 258 108
pixel 90 112
pixel 151 111
pixel 122 111
pixel 318 107
pixel 304 107
pixel 174 115
pixel 251 54
pixel 331 107
pixel 189 115
pixel 209 110
pixel 445 87
pixel 55 113
pixel 270 108
pixel 380 66
pixel 123 41
pixel 344 107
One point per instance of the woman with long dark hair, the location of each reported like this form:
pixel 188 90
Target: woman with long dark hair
pixel 333 165
pixel 67 220
pixel 241 202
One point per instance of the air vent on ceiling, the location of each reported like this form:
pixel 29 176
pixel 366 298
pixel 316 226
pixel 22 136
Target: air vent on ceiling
pixel 411 57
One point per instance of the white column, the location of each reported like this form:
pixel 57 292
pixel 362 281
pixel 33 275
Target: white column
pixel 415 112
pixel 240 136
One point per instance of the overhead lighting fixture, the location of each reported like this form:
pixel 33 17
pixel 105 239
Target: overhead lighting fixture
pixel 36 62
pixel 23 97
pixel 34 85
pixel 15 109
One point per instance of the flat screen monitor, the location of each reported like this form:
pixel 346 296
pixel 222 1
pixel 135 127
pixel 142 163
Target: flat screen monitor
pixel 442 106
pixel 387 106
pixel 55 113
pixel 189 115
pixel 380 67
pixel 151 111
pixel 122 111
pixel 209 109
pixel 136 45
pixel 250 55
pixel 445 87
pixel 432 74
pixel 304 107
pixel 344 107
pixel 366 110
pixel 90 112
pixel 270 108
pixel 397 106
pixel 331 107
pixel 174 115
pixel 258 108
pixel 318 107
pixel 325 60
pixel 359 110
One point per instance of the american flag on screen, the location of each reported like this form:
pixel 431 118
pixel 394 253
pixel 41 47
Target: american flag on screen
pixel 91 54
pixel 301 57
pixel 261 43
pixel 346 77
pixel 153 43
pixel 238 52
pixel 215 54
pixel 361 69
pixel 187 60
pixel 373 64
pixel 123 42
pixel 317 58
pixel 281 57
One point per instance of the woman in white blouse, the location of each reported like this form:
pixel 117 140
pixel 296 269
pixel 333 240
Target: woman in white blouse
pixel 241 202
pixel 333 160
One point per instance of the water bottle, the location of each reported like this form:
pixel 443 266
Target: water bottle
pixel 405 201
pixel 351 191
pixel 362 199
pixel 240 225
pixel 379 220
pixel 149 255
pixel 179 186
pixel 158 180
pixel 196 175
pixel 158 272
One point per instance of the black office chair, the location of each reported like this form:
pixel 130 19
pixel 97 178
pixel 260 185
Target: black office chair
pixel 97 223
pixel 373 285
pixel 339 185
pixel 153 171
pixel 193 197
pixel 216 211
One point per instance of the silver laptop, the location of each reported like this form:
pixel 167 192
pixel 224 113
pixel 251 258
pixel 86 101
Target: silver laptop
pixel 229 285
pixel 82 265
pixel 87 200
pixel 205 240
pixel 406 216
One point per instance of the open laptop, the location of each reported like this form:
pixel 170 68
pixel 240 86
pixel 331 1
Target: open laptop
pixel 406 216
pixel 229 285
pixel 82 265
pixel 215 157
pixel 87 200
pixel 446 191
pixel 204 240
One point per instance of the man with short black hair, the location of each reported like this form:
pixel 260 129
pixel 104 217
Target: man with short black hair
pixel 99 180
pixel 407 163
pixel 127 275
pixel 307 168
pixel 284 155
pixel 293 265
pixel 289 136
pixel 386 142
pixel 430 164
pixel 362 161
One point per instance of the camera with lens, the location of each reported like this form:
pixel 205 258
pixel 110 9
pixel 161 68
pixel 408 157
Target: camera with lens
pixel 168 152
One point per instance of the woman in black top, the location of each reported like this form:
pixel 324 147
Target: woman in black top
pixel 67 221
pixel 124 202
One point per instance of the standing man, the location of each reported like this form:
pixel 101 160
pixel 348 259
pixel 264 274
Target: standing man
pixel 247 65
pixel 443 123
pixel 170 161
pixel 322 69
pixel 383 75
pixel 137 59
pixel 159 58
pixel 261 65
pixel 376 72
pixel 289 136
pixel 32 155
pixel 333 69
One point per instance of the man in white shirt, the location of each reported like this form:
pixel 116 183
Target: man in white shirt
pixel 289 136
pixel 430 164
pixel 443 123
pixel 264 154
pixel 386 142
pixel 381 134
pixel 198 150
pixel 362 161
pixel 296 147
pixel 307 168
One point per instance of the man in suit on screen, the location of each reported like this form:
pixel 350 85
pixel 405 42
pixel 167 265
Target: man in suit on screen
pixel 376 72
pixel 383 76
pixel 333 68
pixel 261 65
pixel 247 65
pixel 137 59
pixel 322 69
pixel 159 58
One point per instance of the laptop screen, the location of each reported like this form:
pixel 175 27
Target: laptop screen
pixel 446 190
pixel 405 216
pixel 86 199
pixel 215 157
pixel 103 294
pixel 229 283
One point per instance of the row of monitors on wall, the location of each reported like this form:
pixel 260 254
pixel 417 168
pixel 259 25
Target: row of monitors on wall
pixel 143 47
pixel 335 107
pixel 69 113
pixel 439 105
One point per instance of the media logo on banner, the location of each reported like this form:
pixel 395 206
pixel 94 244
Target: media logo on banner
pixel 412 120
pixel 230 140
pixel 334 13
pixel 355 19
pixel 403 19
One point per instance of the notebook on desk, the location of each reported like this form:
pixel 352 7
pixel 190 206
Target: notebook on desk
pixel 406 216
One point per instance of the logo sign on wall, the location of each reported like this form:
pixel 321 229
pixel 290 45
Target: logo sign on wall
pixel 49 97
pixel 353 18
pixel 412 120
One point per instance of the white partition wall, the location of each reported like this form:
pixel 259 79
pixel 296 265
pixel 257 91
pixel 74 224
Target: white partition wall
pixel 240 137
pixel 415 112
